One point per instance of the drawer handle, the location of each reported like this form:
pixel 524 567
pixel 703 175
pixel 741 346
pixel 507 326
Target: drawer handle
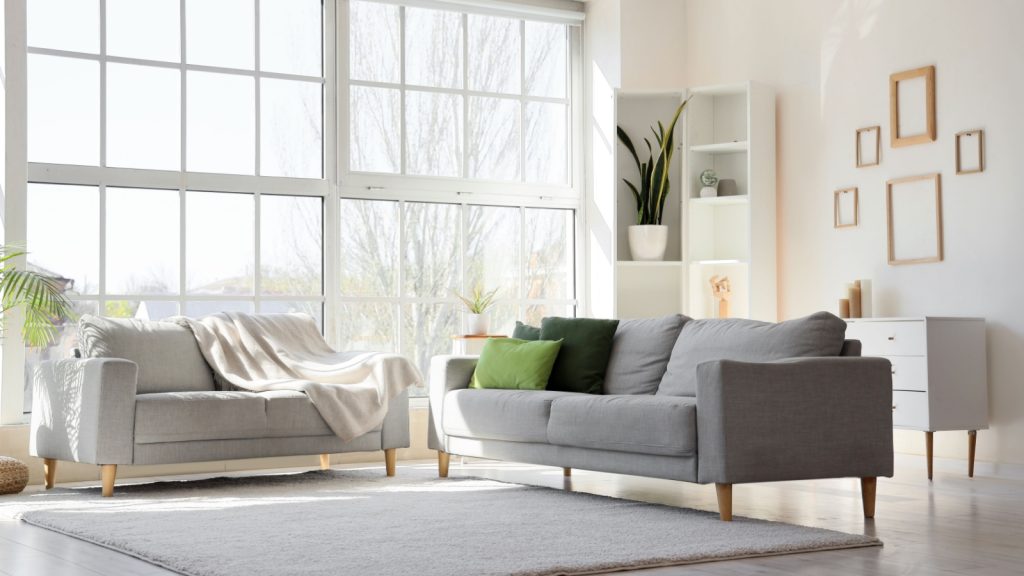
pixel 894 372
pixel 893 407
pixel 891 338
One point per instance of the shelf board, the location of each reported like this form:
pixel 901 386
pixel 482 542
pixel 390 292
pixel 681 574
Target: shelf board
pixel 657 263
pixel 722 200
pixel 719 262
pixel 721 148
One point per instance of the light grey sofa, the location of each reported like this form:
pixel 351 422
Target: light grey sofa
pixel 143 394
pixel 707 401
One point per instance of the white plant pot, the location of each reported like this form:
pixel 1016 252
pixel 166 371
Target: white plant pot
pixel 477 324
pixel 647 242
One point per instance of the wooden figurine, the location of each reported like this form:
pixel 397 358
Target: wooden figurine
pixel 722 291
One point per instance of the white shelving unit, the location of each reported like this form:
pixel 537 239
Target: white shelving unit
pixel 647 289
pixel 731 129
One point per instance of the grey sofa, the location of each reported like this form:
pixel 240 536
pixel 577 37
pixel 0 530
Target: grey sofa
pixel 707 401
pixel 143 394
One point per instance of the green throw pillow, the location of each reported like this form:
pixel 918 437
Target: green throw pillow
pixel 515 364
pixel 583 360
pixel 526 332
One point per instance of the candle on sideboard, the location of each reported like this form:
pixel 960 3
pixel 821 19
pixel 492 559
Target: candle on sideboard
pixel 866 309
pixel 854 296
pixel 844 308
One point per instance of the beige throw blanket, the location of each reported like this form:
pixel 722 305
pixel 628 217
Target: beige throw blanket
pixel 286 352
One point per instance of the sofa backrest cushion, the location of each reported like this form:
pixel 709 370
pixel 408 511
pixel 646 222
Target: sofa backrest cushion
pixel 640 353
pixel 820 334
pixel 583 359
pixel 168 357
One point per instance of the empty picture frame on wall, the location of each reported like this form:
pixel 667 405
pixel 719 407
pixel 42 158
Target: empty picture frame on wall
pixel 912 107
pixel 913 208
pixel 970 151
pixel 846 208
pixel 869 146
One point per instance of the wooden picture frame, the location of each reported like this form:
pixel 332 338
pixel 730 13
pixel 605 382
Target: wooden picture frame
pixel 913 217
pixel 901 112
pixel 977 138
pixel 839 197
pixel 863 133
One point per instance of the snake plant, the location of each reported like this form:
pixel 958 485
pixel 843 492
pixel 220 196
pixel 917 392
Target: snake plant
pixel 654 186
pixel 42 297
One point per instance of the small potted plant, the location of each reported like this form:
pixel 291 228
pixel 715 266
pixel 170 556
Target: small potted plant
pixel 648 238
pixel 477 303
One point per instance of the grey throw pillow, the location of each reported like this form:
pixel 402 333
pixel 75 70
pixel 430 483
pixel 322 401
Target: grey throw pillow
pixel 640 352
pixel 820 334
pixel 167 354
pixel 526 332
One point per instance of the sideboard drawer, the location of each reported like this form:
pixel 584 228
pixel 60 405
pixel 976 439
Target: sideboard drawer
pixel 909 373
pixel 910 409
pixel 889 338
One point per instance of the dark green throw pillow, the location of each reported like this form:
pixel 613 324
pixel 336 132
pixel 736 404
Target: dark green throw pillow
pixel 583 360
pixel 526 332
pixel 510 363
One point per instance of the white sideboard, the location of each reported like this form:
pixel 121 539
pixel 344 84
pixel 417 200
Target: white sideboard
pixel 939 373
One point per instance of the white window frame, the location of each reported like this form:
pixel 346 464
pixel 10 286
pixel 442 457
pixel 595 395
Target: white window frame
pixel 334 185
pixel 466 192
pixel 101 177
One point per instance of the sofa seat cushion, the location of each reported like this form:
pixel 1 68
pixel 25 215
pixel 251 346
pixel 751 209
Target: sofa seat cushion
pixel 291 413
pixel 186 416
pixel 512 415
pixel 658 425
pixel 167 354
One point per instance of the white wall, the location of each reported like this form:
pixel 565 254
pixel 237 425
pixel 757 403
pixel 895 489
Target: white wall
pixel 830 61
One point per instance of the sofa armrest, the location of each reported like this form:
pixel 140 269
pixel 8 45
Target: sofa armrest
pixel 794 419
pixel 447 373
pixel 84 410
pixel 394 431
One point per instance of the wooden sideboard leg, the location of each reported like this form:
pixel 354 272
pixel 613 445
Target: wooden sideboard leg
pixel 567 472
pixel 325 461
pixel 972 442
pixel 108 472
pixel 928 438
pixel 49 471
pixel 867 494
pixel 724 492
pixel 443 458
pixel 390 455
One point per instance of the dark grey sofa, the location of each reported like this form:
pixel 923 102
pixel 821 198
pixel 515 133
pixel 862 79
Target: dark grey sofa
pixel 144 394
pixel 706 401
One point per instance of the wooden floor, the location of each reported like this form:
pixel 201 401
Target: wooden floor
pixel 953 525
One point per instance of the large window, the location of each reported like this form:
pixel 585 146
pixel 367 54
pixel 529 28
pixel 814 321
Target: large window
pixel 157 136
pixel 357 160
pixel 446 100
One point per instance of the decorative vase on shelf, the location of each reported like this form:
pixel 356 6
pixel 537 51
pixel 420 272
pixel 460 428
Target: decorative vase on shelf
pixel 708 192
pixel 647 242
pixel 477 324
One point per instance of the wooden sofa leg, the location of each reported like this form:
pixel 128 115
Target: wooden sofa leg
pixel 390 454
pixel 724 501
pixel 49 471
pixel 325 461
pixel 443 458
pixel 567 472
pixel 867 494
pixel 108 472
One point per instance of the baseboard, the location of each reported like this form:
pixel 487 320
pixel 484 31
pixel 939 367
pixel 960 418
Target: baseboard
pixel 1006 471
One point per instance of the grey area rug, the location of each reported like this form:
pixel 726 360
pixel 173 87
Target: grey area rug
pixel 359 522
